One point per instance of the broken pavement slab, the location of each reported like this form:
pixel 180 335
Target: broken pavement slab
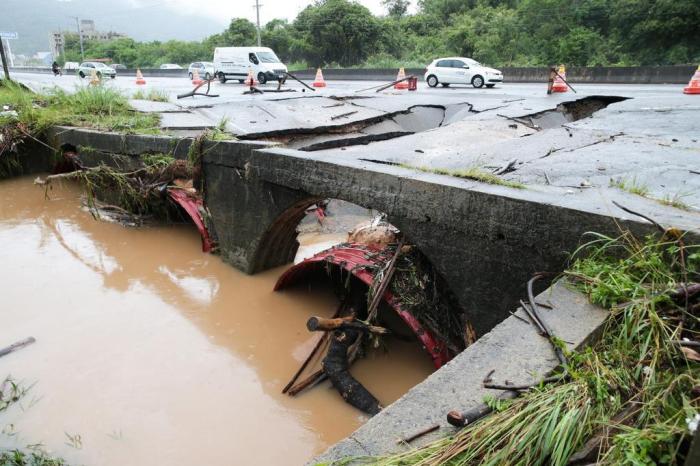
pixel 185 121
pixel 149 106
pixel 513 349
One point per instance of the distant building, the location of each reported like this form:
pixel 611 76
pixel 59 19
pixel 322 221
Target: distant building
pixel 57 40
pixel 57 43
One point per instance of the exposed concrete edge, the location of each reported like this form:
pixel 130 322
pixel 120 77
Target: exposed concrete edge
pixel 119 143
pixel 513 348
pixel 587 202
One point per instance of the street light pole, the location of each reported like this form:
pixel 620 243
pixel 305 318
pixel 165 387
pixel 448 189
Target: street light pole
pixel 80 35
pixel 4 61
pixel 257 11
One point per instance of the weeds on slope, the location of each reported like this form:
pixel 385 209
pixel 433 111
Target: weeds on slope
pixel 98 107
pixel 636 393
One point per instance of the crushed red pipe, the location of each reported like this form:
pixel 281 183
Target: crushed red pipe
pixel 361 261
pixel 193 205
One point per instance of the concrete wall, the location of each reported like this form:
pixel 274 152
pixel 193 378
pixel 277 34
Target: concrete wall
pixel 680 74
pixel 154 72
pixel 603 74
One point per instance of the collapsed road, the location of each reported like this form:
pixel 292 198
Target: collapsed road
pixel 489 189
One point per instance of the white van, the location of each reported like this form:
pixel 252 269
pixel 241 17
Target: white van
pixel 234 62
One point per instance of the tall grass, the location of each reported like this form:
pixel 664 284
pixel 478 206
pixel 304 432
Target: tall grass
pixel 634 367
pixel 98 107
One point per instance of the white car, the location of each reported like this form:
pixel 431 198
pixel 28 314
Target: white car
pixel 460 70
pixel 204 68
pixel 170 66
pixel 71 65
pixel 86 68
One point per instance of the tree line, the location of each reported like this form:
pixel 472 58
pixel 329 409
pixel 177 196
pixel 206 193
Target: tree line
pixel 497 32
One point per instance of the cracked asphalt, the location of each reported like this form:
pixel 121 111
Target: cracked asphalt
pixel 650 140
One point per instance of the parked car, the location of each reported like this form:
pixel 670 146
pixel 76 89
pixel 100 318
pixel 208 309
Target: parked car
pixel 170 66
pixel 460 70
pixel 85 69
pixel 205 69
pixel 234 63
pixel 71 65
pixel 118 66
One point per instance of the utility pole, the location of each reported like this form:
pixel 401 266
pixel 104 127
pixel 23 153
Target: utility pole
pixel 4 62
pixel 257 11
pixel 80 34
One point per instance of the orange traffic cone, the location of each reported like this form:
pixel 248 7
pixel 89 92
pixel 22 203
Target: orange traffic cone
pixel 319 81
pixel 559 84
pixel 196 80
pixel 403 84
pixel 250 80
pixel 694 84
pixel 139 77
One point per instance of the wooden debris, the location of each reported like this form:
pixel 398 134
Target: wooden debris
pixel 15 346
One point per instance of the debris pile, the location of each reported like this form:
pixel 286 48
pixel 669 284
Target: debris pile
pixel 378 278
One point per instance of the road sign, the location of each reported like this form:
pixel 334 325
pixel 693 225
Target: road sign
pixel 8 35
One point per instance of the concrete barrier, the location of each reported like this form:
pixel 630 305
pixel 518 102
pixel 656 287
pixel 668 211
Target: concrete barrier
pixel 152 72
pixel 677 74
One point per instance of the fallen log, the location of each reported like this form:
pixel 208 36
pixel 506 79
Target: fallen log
pixel 15 346
pixel 336 366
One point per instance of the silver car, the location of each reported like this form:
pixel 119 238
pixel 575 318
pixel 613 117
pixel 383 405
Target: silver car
pixel 85 69
pixel 205 69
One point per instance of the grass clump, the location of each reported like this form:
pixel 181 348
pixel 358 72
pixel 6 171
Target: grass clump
pixel 674 201
pixel 154 95
pixel 472 173
pixel 97 107
pixel 634 390
pixel 33 457
pixel 634 187
pixel 11 392
pixel 631 186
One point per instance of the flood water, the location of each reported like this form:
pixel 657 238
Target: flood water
pixel 153 352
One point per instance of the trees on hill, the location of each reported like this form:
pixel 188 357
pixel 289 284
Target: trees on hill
pixel 497 32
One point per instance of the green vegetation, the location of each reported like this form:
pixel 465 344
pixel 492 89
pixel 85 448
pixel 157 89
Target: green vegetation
pixel 634 187
pixel 96 107
pixel 675 201
pixel 635 388
pixel 631 186
pixel 11 392
pixel 498 33
pixel 33 457
pixel 471 173
pixel 154 95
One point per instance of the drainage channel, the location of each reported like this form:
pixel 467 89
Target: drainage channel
pixel 150 352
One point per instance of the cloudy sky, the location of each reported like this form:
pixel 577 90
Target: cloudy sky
pixel 223 10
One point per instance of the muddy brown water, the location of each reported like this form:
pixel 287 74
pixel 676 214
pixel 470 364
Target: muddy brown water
pixel 151 352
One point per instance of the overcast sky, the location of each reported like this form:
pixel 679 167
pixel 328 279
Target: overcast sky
pixel 223 10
